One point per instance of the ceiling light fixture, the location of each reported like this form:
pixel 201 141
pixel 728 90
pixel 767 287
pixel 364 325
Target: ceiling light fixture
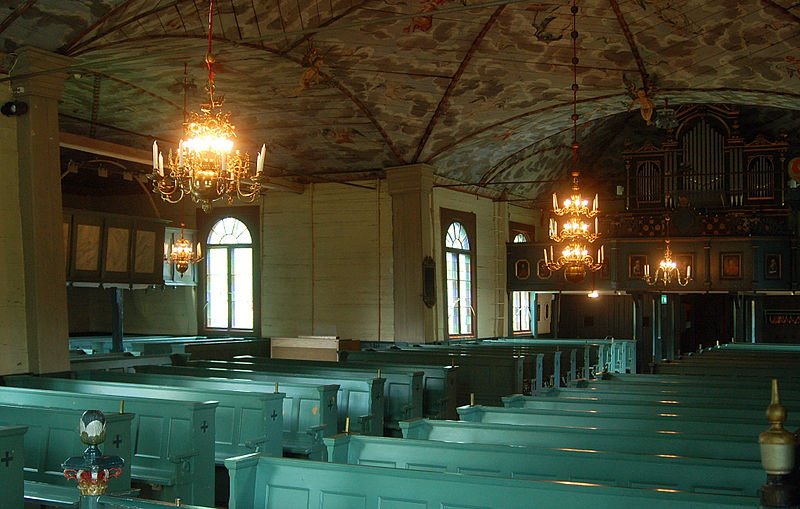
pixel 667 270
pixel 182 254
pixel 205 166
pixel 575 233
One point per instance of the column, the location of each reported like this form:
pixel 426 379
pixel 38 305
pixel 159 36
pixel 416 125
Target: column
pixel 40 206
pixel 412 232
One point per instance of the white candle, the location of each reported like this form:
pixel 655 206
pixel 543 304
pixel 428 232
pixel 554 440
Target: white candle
pixel 596 230
pixel 688 272
pixel 155 154
pixel 261 156
pixel 199 252
pixel 555 202
pixel 545 255
pixel 223 163
pixel 160 164
pixel 180 154
pixel 594 204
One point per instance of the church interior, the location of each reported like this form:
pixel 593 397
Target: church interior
pixel 399 254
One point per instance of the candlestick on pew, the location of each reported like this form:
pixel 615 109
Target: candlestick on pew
pixel 347 424
pixel 276 387
pixel 471 399
pixel 122 406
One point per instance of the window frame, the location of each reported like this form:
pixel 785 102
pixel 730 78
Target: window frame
pixel 251 217
pixel 515 230
pixel 468 220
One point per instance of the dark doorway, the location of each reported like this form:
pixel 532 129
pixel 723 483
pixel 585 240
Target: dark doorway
pixel 707 318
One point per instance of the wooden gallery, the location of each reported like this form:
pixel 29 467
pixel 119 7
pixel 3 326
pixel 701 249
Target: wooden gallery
pixel 399 254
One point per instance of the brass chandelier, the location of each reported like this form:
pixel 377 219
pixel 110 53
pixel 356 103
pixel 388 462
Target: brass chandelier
pixel 182 254
pixel 667 270
pixel 205 166
pixel 576 232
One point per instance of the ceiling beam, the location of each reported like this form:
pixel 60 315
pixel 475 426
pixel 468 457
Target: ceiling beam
pixel 144 157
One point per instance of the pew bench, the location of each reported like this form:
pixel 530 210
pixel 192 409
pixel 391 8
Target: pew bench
pixel 279 483
pixel 604 418
pixel 360 399
pixel 173 440
pixel 488 377
pixel 12 462
pixel 244 422
pixel 697 475
pixel 308 413
pixel 48 443
pixel 677 408
pixel 587 438
pixel 402 390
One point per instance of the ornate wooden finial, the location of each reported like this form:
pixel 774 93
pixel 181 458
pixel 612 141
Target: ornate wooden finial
pixel 777 445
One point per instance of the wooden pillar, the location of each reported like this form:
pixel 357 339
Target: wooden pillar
pixel 117 319
pixel 412 234
pixel 40 207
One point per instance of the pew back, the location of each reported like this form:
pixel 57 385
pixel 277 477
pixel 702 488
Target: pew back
pixel 52 437
pixel 272 483
pixel 12 461
pixel 309 411
pixel 173 439
pixel 698 475
pixel 360 399
pixel 245 422
pixel 587 438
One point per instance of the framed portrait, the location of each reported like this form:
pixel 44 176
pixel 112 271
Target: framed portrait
pixel 522 269
pixel 772 266
pixel 730 265
pixel 636 264
pixel 542 271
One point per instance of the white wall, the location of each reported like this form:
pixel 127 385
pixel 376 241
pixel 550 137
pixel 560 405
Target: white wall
pixel 13 332
pixel 327 262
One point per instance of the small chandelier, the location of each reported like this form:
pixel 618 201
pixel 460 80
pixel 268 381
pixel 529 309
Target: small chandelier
pixel 205 166
pixel 182 254
pixel 576 232
pixel 667 270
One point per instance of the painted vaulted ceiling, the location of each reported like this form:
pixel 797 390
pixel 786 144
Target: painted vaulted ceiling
pixel 479 89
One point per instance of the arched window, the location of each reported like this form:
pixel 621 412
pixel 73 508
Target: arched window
pixel 459 252
pixel 520 302
pixel 229 276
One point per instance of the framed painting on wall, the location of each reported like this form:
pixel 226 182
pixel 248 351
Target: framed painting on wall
pixel 542 270
pixel 636 264
pixel 730 265
pixel 772 266
pixel 522 269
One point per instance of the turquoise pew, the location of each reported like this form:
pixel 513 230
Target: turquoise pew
pixel 12 461
pixel 279 483
pixel 173 439
pixel 711 409
pixel 402 390
pixel 359 399
pixel 698 475
pixel 52 437
pixel 112 502
pixel 604 418
pixel 244 422
pixel 587 438
pixel 309 411
pixel 488 377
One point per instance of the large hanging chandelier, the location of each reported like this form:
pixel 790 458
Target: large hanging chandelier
pixel 206 166
pixel 575 233
pixel 182 254
pixel 667 270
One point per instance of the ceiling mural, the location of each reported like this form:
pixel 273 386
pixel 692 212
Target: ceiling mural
pixel 479 89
